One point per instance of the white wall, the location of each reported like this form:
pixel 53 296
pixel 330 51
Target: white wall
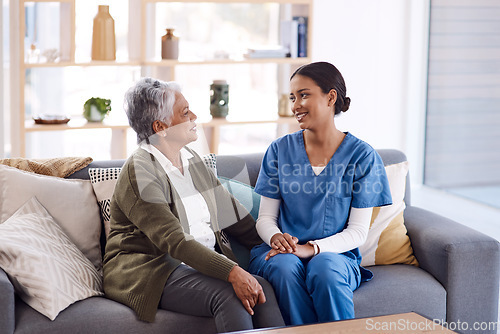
pixel 380 47
pixel 2 124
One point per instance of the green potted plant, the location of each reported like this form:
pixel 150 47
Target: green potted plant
pixel 96 108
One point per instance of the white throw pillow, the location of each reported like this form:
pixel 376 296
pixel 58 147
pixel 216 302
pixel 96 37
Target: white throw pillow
pixel 387 241
pixel 48 271
pixel 71 202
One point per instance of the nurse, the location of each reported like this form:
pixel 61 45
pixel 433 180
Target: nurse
pixel 318 188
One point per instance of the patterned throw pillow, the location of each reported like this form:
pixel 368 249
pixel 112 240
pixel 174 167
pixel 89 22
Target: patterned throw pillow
pixel 210 161
pixel 46 268
pixel 104 181
pixel 387 241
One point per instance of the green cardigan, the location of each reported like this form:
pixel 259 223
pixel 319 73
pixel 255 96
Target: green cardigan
pixel 150 236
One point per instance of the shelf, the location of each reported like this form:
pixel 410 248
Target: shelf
pixel 83 64
pixel 293 2
pixel 141 31
pixel 28 1
pixel 74 124
pixel 82 124
pixel 301 60
pixel 223 122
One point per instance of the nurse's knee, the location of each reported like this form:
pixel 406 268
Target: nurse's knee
pixel 327 267
pixel 285 263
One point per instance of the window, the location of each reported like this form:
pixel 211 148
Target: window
pixel 462 153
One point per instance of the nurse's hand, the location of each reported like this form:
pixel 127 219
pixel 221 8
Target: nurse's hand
pixel 284 243
pixel 303 251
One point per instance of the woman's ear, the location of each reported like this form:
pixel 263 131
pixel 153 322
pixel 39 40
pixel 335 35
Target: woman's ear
pixel 159 126
pixel 332 97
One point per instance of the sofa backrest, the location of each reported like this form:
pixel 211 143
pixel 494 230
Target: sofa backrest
pixel 245 167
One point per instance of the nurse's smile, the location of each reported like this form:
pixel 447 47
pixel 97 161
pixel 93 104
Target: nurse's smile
pixel 300 116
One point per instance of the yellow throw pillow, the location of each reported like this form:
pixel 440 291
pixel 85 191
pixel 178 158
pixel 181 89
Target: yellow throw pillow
pixel 387 241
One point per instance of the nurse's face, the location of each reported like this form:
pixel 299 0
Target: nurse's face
pixel 312 108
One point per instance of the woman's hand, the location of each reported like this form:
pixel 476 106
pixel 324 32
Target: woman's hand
pixel 247 288
pixel 284 243
pixel 303 251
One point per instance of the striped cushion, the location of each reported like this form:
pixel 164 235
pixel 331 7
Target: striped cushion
pixel 48 271
pixel 387 241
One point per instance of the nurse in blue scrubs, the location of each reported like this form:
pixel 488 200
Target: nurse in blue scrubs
pixel 318 188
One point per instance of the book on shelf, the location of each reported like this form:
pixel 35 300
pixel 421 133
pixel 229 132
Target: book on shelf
pixel 267 52
pixel 293 36
pixel 301 35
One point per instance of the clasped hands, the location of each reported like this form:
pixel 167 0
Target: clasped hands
pixel 285 243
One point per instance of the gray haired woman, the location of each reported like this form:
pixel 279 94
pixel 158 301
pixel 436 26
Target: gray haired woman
pixel 169 213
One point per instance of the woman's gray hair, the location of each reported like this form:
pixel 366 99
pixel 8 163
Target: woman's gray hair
pixel 147 101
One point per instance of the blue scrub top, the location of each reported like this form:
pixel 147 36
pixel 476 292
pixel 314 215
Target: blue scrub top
pixel 317 206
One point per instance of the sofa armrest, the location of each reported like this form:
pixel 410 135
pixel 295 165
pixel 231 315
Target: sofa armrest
pixel 465 261
pixel 7 304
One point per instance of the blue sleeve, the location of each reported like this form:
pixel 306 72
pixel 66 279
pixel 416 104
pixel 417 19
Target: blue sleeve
pixel 370 187
pixel 268 181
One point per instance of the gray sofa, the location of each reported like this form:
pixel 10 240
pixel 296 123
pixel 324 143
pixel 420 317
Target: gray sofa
pixel 457 281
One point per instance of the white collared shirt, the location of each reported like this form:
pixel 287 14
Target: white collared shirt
pixel 197 212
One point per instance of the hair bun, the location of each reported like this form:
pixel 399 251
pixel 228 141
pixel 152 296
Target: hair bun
pixel 347 103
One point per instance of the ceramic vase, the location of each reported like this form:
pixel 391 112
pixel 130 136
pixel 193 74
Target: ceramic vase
pixel 103 36
pixel 219 99
pixel 169 45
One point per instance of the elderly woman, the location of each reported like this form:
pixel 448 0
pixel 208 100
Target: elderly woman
pixel 167 246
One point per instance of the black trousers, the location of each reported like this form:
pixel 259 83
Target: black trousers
pixel 190 292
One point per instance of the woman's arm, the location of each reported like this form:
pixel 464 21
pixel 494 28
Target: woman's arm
pixel 354 235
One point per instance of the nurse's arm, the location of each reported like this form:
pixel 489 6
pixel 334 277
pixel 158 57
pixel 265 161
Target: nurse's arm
pixel 353 236
pixel 267 226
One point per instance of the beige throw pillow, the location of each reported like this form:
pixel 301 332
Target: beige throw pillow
pixel 387 241
pixel 71 202
pixel 48 271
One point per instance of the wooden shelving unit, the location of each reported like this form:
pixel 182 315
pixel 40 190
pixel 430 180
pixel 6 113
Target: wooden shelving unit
pixel 22 127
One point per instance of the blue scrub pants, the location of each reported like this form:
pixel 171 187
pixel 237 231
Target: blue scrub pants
pixel 313 290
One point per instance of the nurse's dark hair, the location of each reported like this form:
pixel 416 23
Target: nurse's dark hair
pixel 327 77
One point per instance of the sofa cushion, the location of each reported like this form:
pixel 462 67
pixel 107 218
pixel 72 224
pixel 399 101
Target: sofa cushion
pixel 71 202
pixel 103 182
pixel 400 288
pixel 387 241
pixel 244 193
pixel 48 271
pixel 60 167
pixel 101 315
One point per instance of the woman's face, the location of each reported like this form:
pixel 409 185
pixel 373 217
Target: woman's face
pixel 312 108
pixel 183 127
